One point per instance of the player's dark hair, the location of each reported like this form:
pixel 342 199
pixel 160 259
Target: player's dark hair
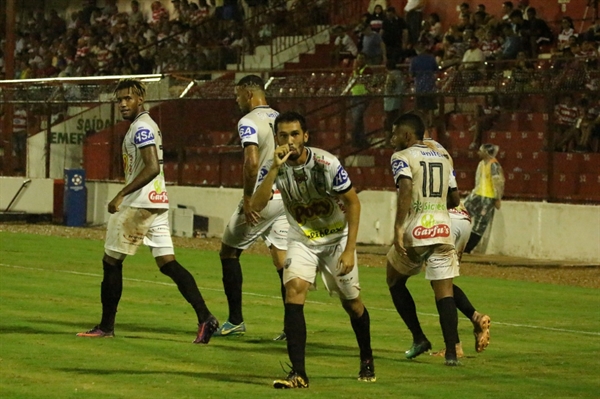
pixel 290 116
pixel 251 82
pixel 137 86
pixel 414 121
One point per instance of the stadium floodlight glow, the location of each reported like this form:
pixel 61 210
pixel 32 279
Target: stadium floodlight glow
pixel 144 78
pixel 187 88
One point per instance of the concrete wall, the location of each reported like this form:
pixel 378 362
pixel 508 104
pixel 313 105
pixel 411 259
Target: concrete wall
pixel 526 229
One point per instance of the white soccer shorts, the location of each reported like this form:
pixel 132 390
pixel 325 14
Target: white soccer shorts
pixel 272 227
pixel 130 227
pixel 440 264
pixel 304 262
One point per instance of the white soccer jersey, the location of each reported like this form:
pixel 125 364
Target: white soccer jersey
pixel 431 173
pixel 143 132
pixel 258 127
pixel 310 195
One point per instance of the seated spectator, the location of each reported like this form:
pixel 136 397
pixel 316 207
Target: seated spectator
pixel 345 50
pixel 511 46
pixel 464 23
pixel 590 126
pixel 452 54
pixel 464 10
pixel 490 44
pixel 159 13
pixel 523 6
pixel 593 32
pixel 566 114
pixel 432 29
pixel 567 30
pixel 472 60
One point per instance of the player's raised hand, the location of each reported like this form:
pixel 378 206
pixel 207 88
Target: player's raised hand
pixel 282 153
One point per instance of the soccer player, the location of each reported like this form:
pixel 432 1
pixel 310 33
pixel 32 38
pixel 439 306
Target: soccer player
pixel 139 214
pixel 323 212
pixel 426 184
pixel 246 226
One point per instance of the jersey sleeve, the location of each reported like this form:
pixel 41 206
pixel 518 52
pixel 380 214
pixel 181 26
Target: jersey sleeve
pixel 248 131
pixel 144 135
pixel 452 185
pixel 341 180
pixel 400 167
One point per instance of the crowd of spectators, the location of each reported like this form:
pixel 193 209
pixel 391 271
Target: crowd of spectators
pixel 191 35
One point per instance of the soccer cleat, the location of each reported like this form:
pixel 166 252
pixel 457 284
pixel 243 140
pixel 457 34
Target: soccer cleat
pixel 367 371
pixel 96 332
pixel 293 380
pixel 442 352
pixel 206 330
pixel 418 348
pixel 452 362
pixel 280 337
pixel 230 330
pixel 481 331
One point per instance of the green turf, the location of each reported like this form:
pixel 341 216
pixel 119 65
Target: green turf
pixel 545 338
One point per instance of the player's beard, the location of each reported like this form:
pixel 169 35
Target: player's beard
pixel 296 153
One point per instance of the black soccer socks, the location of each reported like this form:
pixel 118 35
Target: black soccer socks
pixel 188 288
pixel 449 321
pixel 295 330
pixel 405 305
pixel 462 302
pixel 362 330
pixel 232 284
pixel 110 294
pixel 280 273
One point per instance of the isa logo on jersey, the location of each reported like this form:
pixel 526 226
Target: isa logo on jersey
pixel 247 131
pixel 341 177
pixel 398 165
pixel 143 136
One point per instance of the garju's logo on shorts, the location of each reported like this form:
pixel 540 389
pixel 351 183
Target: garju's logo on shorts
pixel 315 209
pixel 246 131
pixel 440 230
pixel 143 136
pixel 398 165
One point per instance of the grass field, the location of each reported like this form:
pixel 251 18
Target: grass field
pixel 545 338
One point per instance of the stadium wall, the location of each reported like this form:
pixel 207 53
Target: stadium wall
pixel 535 230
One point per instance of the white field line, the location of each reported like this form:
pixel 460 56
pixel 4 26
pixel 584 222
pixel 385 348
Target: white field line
pixel 563 330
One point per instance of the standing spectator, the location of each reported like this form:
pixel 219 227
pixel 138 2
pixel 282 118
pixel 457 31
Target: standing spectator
pixel 246 225
pixel 522 28
pixel 414 18
pixel 394 95
pixel 394 34
pixel 136 16
pixel 490 44
pixel 373 47
pixel 324 242
pixel 523 6
pixel 541 34
pixel 507 8
pixel 139 214
pixel 345 50
pixel 159 13
pixel 487 194
pixel 423 68
pixel 377 18
pixel 361 72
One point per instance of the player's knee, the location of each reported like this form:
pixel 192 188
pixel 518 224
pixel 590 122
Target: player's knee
pixel 228 252
pixel 113 258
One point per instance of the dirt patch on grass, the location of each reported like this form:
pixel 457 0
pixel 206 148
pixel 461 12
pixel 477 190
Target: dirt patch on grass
pixel 497 267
